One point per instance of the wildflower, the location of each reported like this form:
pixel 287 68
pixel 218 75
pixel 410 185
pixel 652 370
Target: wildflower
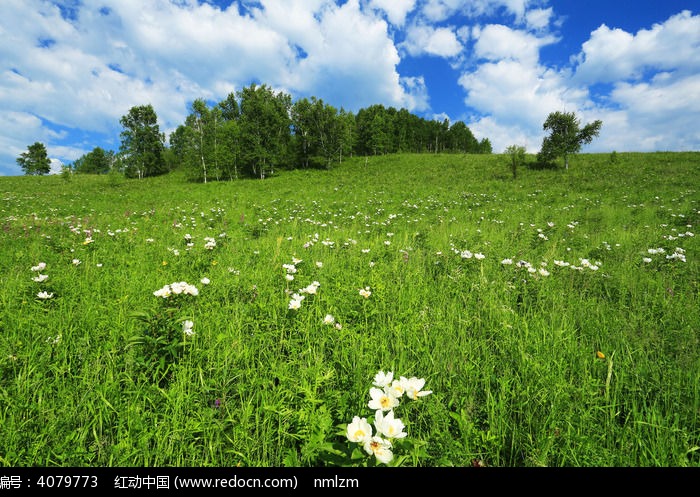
pixel 507 261
pixel 646 259
pixel 389 426
pixel 543 272
pixel 600 355
pixel 479 256
pixel 39 267
pixel 44 295
pixel 397 388
pixel 319 264
pixel 40 277
pixel 359 431
pixel 311 289
pixel 187 328
pixel 88 241
pixel 163 292
pixel 414 387
pixel 76 262
pixel 380 448
pixel 177 288
pixel 383 400
pixel 205 281
pixel 295 303
pixel 329 319
pixel 365 292
pixel 382 379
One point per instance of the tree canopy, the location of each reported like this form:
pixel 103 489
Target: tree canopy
pixel 566 136
pixel 35 160
pixel 142 144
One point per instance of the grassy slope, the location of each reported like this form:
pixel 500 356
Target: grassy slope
pixel 510 358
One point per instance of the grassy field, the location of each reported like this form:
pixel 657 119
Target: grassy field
pixel 554 317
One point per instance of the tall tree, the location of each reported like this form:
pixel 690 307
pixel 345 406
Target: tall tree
pixel 264 128
pixel 35 160
pixel 142 143
pixel 565 136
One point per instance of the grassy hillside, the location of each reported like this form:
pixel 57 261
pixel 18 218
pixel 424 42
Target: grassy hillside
pixel 554 317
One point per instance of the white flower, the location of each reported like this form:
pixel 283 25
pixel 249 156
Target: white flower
pixel 44 295
pixel 359 431
pixel 295 303
pixel 380 448
pixel 397 388
pixel 39 267
pixel 646 259
pixel 382 379
pixel 382 400
pixel 413 387
pixel 205 281
pixel 365 292
pixel 76 262
pixel 187 327
pixel 389 426
pixel 329 319
pixel 507 261
pixel 163 292
pixel 40 277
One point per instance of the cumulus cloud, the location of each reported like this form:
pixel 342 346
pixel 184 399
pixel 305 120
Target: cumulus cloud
pixel 650 103
pixel 438 41
pixel 396 10
pixel 496 42
pixel 613 54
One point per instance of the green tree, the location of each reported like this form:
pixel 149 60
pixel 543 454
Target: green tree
pixel 35 160
pixel 565 136
pixel 98 161
pixel 264 129
pixel 142 143
pixel 516 156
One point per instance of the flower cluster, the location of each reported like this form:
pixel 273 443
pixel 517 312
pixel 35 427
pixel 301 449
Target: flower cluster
pixel 40 278
pixel 385 395
pixel 295 302
pixel 178 288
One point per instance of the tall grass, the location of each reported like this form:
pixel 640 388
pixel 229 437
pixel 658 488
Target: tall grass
pixel 546 322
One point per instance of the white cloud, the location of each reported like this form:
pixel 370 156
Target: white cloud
pixel 496 42
pixel 440 41
pixel 613 54
pixel 416 94
pixel 538 19
pixel 516 98
pixel 439 10
pixel 396 10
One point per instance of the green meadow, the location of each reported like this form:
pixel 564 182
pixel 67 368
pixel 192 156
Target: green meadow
pixel 551 319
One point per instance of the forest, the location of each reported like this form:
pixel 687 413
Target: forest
pixel 256 131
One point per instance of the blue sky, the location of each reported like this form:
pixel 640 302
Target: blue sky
pixel 70 69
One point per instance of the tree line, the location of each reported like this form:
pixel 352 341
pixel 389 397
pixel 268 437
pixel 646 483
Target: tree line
pixel 257 131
